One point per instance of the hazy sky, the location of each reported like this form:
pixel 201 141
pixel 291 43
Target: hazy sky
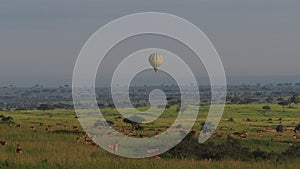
pixel 40 40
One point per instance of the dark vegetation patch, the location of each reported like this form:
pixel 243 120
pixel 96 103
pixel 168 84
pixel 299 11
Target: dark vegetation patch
pixel 230 149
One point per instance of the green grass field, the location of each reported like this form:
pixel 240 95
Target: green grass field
pixel 57 147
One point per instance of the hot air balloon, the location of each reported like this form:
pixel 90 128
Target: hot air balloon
pixel 155 59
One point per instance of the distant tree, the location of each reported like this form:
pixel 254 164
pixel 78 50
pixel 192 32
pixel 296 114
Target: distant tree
pixel 101 105
pixel 235 100
pixel 249 100
pixel 295 99
pixel 282 102
pixel 111 105
pixel 269 100
pixel 266 108
pixel 45 106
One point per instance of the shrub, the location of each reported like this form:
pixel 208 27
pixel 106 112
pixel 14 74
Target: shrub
pixel 190 148
pixel 7 119
pixel 45 106
pixel 279 128
pixel 297 127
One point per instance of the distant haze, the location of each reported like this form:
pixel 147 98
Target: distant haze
pixel 258 41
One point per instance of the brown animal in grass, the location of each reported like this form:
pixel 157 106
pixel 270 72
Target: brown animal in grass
pixel 114 147
pixel 88 141
pixel 19 149
pixel 3 143
pixel 260 134
pixel 243 136
pixel 93 145
pixel 132 133
pixel 32 128
pixel 295 136
pixel 84 136
pixel 219 135
pixel 152 151
pixel 158 158
pixel 18 125
pixel 206 160
pixel 78 139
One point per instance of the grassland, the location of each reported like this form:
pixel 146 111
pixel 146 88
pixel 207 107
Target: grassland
pixel 57 147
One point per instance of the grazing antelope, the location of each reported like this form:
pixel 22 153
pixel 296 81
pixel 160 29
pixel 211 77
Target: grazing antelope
pixel 229 134
pixel 151 151
pixel 78 139
pixel 207 160
pixel 158 158
pixel 84 136
pixel 132 133
pixel 75 128
pixel 88 140
pixel 94 137
pixel 260 134
pixel 32 128
pixel 3 143
pixel 18 125
pixel 114 147
pixel 122 129
pixel 243 136
pixel 219 135
pixel 93 145
pixel 19 149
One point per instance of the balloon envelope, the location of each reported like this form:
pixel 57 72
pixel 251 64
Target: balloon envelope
pixel 155 59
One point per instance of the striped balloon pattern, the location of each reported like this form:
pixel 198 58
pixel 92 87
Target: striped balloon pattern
pixel 155 59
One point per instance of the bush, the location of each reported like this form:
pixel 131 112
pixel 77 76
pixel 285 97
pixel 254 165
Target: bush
pixel 279 128
pixel 45 106
pixel 190 148
pixel 297 127
pixel 7 119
